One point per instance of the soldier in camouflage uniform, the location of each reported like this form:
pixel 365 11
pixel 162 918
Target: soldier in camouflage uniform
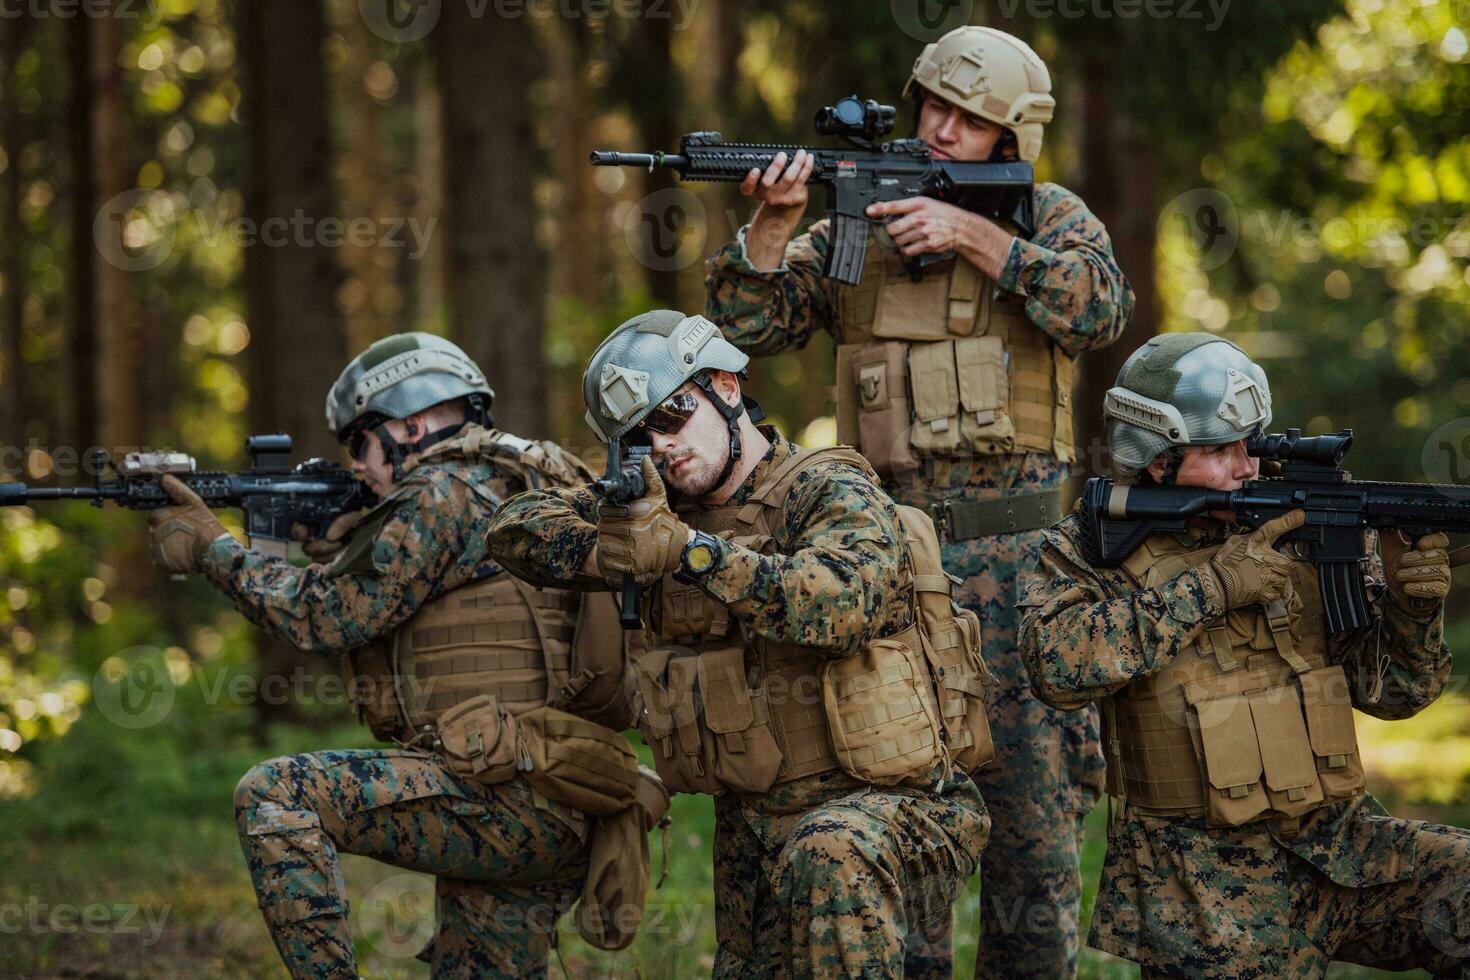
pixel 957 387
pixel 399 589
pixel 1247 845
pixel 780 592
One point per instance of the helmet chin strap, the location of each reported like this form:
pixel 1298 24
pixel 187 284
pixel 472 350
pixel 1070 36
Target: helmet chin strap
pixel 731 414
pixel 396 453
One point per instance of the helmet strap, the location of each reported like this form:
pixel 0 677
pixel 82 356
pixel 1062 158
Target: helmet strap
pixel 397 453
pixel 731 414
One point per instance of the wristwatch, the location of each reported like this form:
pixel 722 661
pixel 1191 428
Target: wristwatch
pixel 701 557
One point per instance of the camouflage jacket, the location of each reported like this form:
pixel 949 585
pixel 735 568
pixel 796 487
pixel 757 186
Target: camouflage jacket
pixel 1066 275
pixel 837 579
pixel 423 540
pixel 1087 632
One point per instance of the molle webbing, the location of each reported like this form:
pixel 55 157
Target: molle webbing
pixel 484 639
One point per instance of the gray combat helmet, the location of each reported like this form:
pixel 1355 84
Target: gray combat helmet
pixel 647 359
pixel 401 375
pixel 1182 389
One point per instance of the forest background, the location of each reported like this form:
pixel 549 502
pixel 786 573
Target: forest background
pixel 206 207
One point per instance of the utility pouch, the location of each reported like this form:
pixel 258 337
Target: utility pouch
pixel 985 420
pixel 1327 702
pixel 577 762
pixel 909 310
pixel 670 720
pixel 616 888
pixel 879 388
pixel 368 674
pixel 881 711
pixel 1232 759
pixel 963 687
pixel 747 756
pixel 479 740
pixel 936 394
pixel 1286 752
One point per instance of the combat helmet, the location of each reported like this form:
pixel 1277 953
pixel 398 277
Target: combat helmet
pixel 993 75
pixel 647 359
pixel 399 376
pixel 1182 389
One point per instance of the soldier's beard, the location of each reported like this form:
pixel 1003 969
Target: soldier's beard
pixel 699 478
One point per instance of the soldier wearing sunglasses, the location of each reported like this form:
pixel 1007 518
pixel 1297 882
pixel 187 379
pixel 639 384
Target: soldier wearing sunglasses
pixel 779 582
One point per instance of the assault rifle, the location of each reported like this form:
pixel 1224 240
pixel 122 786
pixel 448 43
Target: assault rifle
pixel 857 176
pixel 622 485
pixel 1116 519
pixel 272 493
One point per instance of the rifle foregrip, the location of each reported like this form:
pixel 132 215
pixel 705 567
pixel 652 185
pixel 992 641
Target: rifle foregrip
pixel 628 616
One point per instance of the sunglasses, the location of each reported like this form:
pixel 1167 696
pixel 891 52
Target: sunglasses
pixel 667 418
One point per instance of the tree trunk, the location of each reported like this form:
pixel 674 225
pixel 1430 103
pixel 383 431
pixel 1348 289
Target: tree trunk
pixel 13 412
pixel 78 407
pixel 581 258
pixel 1119 172
pixel 497 272
pixel 297 343
pixel 428 271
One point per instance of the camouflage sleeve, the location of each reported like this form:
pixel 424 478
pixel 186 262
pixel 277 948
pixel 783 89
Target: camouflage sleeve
pixel 344 604
pixel 839 579
pixel 1071 284
pixel 1402 664
pixel 769 312
pixel 545 536
pixel 1079 643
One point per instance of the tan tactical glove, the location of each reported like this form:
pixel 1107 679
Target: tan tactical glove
pixel 181 534
pixel 1418 576
pixel 333 541
pixel 1250 570
pixel 644 539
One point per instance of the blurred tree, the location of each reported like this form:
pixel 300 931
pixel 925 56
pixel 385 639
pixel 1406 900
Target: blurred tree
pixel 292 283
pixel 497 268
pixel 77 419
pixel 14 411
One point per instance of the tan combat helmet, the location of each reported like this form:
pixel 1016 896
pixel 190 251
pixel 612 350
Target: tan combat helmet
pixel 993 75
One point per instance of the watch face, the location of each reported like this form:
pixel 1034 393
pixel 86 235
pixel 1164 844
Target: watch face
pixel 700 557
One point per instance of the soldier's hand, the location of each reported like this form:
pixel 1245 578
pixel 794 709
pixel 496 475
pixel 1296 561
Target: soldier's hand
pixel 643 539
pixel 1419 574
pixel 919 225
pixel 1249 568
pixel 181 534
pixel 781 189
pixel 333 541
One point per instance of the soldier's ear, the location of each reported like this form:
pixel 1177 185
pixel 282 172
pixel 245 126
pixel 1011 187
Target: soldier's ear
pixel 1158 467
pixel 727 385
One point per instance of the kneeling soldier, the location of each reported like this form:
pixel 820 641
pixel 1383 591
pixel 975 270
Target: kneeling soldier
pixel 1247 844
pixel 806 663
pixel 450 657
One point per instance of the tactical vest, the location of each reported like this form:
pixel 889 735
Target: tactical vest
pixel 948 366
pixel 1250 722
pixel 724 711
pixel 498 637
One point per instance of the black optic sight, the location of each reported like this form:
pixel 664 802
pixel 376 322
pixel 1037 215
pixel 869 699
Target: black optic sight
pixel 855 118
pixel 1293 447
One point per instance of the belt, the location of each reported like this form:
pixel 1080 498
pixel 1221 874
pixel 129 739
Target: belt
pixel 965 520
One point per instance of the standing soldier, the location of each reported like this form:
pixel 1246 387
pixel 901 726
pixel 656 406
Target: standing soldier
pixel 1247 845
pixel 446 655
pixel 958 388
pixel 797 669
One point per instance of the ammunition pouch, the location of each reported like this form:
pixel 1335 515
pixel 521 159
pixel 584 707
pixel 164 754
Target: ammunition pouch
pixel 881 711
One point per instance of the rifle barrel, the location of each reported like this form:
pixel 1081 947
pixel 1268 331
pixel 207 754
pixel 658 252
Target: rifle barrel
pixel 611 158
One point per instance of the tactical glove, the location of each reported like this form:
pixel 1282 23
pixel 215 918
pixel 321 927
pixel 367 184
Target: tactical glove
pixel 333 541
pixel 644 538
pixel 1248 567
pixel 1419 575
pixel 183 533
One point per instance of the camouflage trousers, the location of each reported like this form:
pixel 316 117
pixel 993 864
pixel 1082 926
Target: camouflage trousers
pixel 507 865
pixel 1046 776
pixel 1259 912
pixel 839 892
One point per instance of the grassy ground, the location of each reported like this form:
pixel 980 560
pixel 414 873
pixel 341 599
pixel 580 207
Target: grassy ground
pixel 125 865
